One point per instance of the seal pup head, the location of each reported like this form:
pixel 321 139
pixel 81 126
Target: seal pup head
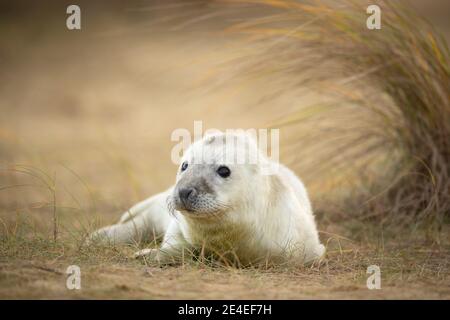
pixel 217 174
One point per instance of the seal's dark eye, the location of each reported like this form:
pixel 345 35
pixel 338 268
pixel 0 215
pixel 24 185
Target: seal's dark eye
pixel 184 166
pixel 223 171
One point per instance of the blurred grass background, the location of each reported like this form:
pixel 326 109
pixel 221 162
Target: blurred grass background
pixel 101 102
pixel 87 115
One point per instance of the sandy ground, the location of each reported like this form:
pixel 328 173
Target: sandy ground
pixel 405 275
pixel 95 110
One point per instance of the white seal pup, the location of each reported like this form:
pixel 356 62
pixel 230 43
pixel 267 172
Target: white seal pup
pixel 226 209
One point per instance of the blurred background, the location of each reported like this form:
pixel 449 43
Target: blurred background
pixel 86 118
pixel 94 108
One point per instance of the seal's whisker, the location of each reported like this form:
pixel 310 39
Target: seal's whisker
pixel 223 205
pixel 170 205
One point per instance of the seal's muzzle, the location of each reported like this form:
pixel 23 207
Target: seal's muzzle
pixel 187 196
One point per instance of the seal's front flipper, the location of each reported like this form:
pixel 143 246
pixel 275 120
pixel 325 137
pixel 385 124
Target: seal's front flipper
pixel 159 256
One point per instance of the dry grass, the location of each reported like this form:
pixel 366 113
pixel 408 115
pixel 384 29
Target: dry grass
pixel 399 75
pixel 87 134
pixel 34 267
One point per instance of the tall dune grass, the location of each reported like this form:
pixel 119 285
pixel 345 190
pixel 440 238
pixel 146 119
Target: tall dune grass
pixel 399 74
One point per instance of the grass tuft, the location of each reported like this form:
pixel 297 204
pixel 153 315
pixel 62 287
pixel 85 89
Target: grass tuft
pixel 399 77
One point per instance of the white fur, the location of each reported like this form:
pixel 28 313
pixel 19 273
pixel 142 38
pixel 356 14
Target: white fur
pixel 268 217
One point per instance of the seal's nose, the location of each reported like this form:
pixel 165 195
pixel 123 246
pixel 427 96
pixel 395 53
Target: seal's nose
pixel 185 193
